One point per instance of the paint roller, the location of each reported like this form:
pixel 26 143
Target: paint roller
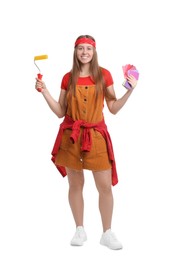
pixel 39 75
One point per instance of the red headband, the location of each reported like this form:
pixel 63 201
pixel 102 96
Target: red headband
pixel 85 40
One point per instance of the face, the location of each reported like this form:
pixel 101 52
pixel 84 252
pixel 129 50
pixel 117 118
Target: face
pixel 84 53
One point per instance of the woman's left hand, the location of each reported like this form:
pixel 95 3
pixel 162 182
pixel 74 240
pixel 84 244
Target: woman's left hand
pixel 132 81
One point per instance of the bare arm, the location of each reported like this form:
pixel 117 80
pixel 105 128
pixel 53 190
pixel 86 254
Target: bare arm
pixel 114 105
pixel 58 107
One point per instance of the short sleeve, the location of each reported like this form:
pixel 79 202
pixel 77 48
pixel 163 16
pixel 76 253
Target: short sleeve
pixel 65 80
pixel 107 77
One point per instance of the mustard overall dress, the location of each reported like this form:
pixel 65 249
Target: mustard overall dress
pixel 84 106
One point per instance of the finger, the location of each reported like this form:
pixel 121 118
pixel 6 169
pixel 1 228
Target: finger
pixel 38 80
pixel 131 77
pixel 133 82
pixel 38 85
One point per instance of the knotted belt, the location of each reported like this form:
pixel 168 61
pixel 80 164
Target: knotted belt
pixel 75 126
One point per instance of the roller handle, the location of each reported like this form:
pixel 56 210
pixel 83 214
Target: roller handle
pixel 40 76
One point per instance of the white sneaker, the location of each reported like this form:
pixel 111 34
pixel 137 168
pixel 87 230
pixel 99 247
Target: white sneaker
pixel 79 237
pixel 109 239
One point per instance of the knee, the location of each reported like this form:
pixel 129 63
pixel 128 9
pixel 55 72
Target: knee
pixel 76 186
pixel 105 189
pixel 75 179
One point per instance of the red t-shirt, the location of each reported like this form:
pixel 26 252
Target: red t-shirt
pixel 87 80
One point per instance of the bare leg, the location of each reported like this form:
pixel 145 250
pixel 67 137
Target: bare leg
pixel 76 183
pixel 104 186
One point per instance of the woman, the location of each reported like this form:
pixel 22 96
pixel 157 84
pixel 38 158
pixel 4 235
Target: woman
pixel 83 134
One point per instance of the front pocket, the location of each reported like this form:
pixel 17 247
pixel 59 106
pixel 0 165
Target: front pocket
pixel 100 142
pixel 66 141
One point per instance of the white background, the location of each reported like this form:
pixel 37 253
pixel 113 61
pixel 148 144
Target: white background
pixel 35 218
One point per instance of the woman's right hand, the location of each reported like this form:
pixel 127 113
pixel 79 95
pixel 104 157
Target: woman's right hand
pixel 40 85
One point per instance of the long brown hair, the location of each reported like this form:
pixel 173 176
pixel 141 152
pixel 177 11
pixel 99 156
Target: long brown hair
pixel 95 71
